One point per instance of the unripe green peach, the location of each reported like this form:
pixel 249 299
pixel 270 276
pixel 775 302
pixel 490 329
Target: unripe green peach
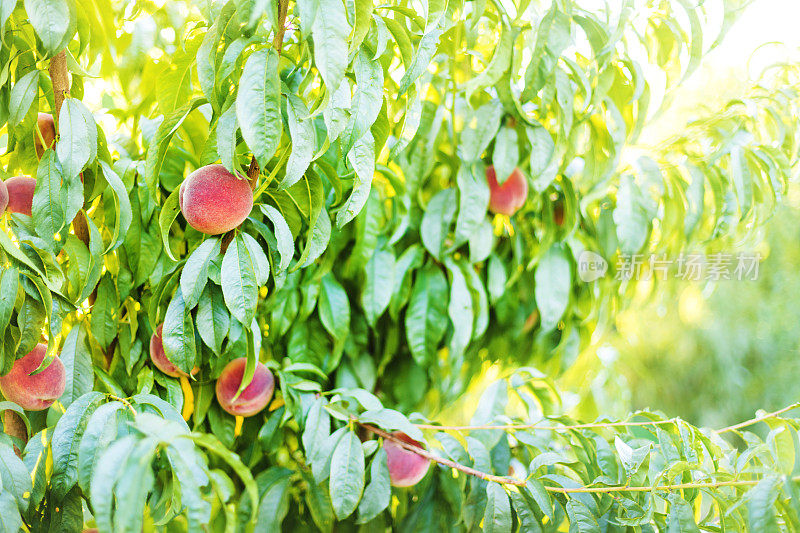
pixel 214 201
pixel 20 194
pixel 159 358
pixel 253 398
pixel 406 468
pixel 47 127
pixel 34 392
pixel 506 199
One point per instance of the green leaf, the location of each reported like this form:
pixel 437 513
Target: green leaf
pixel 329 31
pixel 22 95
pixel 426 316
pixel 100 433
pixel 123 205
pixel 51 19
pixel 368 97
pixel 10 519
pixel 581 519
pixel 14 477
pixel 274 506
pixel 227 125
pixel 258 105
pixel 479 130
pixel 157 149
pixel 506 153
pixel 347 475
pixel 304 140
pixel 77 359
pixel 378 493
pixel 436 221
pixel 169 212
pixel 473 200
pixel 9 287
pixel 105 312
pixel 630 217
pixel 362 158
pixel 239 286
pixel 422 58
pixel 47 209
pixel 260 261
pixel 761 505
pixel 553 278
pixel 283 235
pixel 334 308
pixel 497 516
pixel 681 516
pixel 319 503
pixel 363 20
pixel 66 440
pixel 317 240
pixel 77 143
pixel 391 420
pixel 500 62
pixel 178 334
pixel 195 271
pixel 378 285
pixel 104 477
pixel 213 319
pixel 459 309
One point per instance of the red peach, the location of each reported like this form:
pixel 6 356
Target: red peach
pixel 48 128
pixel 506 199
pixel 253 398
pixel 34 392
pixel 405 468
pixel 20 194
pixel 159 358
pixel 214 201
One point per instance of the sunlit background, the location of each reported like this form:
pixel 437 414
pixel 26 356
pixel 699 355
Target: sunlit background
pixel 713 353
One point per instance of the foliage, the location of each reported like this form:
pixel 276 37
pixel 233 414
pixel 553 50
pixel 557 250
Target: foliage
pixel 369 278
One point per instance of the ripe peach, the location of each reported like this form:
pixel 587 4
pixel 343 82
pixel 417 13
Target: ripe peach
pixel 20 194
pixel 159 358
pixel 214 201
pixel 48 128
pixel 34 392
pixel 253 398
pixel 3 197
pixel 405 468
pixel 507 198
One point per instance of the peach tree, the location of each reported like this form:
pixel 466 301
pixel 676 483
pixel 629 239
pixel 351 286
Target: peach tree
pixel 255 252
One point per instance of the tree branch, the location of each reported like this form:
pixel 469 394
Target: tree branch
pixel 504 480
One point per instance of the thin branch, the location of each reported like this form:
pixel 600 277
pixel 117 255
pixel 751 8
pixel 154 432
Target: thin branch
pixel 548 428
pixel 758 419
pixel 558 490
pixel 442 461
pixel 746 423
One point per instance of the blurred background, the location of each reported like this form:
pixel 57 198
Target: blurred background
pixel 712 353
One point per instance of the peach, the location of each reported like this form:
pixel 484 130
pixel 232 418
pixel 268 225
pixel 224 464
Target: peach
pixel 253 398
pixel 3 197
pixel 47 127
pixel 34 392
pixel 214 201
pixel 20 194
pixel 506 199
pixel 159 358
pixel 405 468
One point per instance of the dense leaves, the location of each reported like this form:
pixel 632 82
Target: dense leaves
pixel 370 276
